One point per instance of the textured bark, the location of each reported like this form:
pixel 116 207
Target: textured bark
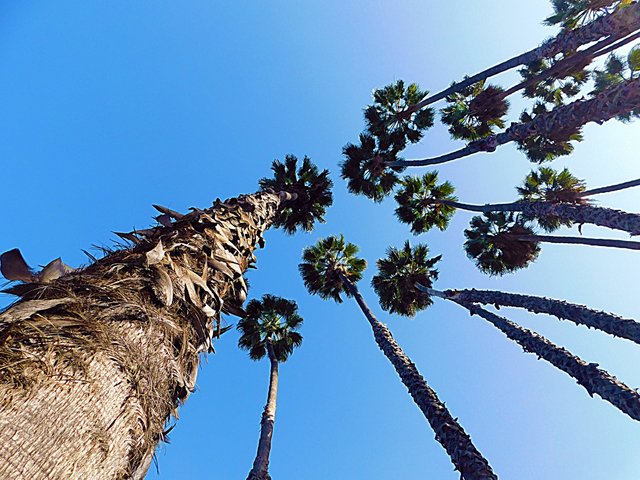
pixel 606 105
pixel 592 378
pixel 611 188
pixel 260 470
pixel 601 216
pixel 620 23
pixel 594 242
pixel 579 314
pixel 93 364
pixel 457 443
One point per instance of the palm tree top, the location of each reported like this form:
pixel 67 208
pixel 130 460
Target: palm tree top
pixel 393 116
pixel 549 185
pixel 574 13
pixel 398 273
pixel 325 265
pixel 312 190
pixel 617 70
pixel 273 320
pixel 365 167
pixel 418 205
pixel 491 243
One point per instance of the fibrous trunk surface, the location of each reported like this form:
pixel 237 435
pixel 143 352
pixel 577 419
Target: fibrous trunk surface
pixel 93 364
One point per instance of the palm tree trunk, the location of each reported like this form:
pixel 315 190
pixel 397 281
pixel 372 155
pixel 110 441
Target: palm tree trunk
pixel 597 242
pixel 260 470
pixel 592 378
pixel 604 217
pixel 464 455
pixel 610 103
pixel 93 364
pixel 611 188
pixel 620 23
pixel 579 314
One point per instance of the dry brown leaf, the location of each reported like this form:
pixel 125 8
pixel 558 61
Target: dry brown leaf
pixel 155 255
pixel 162 287
pixel 14 267
pixel 24 310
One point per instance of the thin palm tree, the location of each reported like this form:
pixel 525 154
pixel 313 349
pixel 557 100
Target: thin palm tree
pixel 114 348
pixel 331 268
pixel 551 198
pixel 578 314
pixel 269 328
pixel 402 266
pixel 500 242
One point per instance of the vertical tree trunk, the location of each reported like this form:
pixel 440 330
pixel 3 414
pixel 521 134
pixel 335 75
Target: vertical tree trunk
pixel 93 364
pixel 457 443
pixel 260 470
pixel 578 314
pixel 592 378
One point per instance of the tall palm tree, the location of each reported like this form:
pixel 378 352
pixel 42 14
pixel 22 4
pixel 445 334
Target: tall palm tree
pixel 551 198
pixel 500 243
pixel 578 314
pixel 618 24
pixel 402 266
pixel 331 268
pixel 269 328
pixel 93 362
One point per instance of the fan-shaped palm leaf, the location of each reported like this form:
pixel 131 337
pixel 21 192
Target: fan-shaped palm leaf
pixel 574 13
pixel 616 71
pixel 311 189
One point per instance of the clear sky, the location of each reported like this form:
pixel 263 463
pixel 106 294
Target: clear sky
pixel 110 106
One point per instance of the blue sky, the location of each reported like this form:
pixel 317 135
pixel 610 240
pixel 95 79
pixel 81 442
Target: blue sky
pixel 108 107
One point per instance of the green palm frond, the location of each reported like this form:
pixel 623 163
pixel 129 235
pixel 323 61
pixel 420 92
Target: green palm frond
pixel 272 319
pixel 475 111
pixel 491 245
pixel 574 13
pixel 557 87
pixel 324 264
pixel 312 190
pixel 417 202
pixel 397 276
pixel 391 117
pixel 365 168
pixel 618 70
pixel 541 149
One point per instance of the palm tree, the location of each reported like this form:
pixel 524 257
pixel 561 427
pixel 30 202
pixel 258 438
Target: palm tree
pixel 331 268
pixel 400 267
pixel 578 314
pixel 618 70
pixel 105 354
pixel 551 198
pixel 618 24
pixel 269 328
pixel 572 13
pixel 500 243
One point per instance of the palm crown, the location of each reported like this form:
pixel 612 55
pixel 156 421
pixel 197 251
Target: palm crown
pixel 475 111
pixel 392 119
pixel 325 264
pixel 397 276
pixel 573 13
pixel 274 320
pixel 540 148
pixel 549 185
pixel 492 243
pixel 417 202
pixel 555 88
pixel 312 191
pixel 617 70
pixel 365 167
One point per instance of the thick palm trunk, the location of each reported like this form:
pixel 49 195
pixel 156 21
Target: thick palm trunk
pixel 592 378
pixel 260 470
pixel 603 217
pixel 619 24
pixel 579 314
pixel 594 242
pixel 464 455
pixel 608 104
pixel 93 364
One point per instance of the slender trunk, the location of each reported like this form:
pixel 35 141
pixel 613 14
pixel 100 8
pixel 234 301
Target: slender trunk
pixel 464 455
pixel 592 378
pixel 93 364
pixel 579 314
pixel 597 242
pixel 611 188
pixel 620 23
pixel 606 105
pixel 604 217
pixel 260 470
